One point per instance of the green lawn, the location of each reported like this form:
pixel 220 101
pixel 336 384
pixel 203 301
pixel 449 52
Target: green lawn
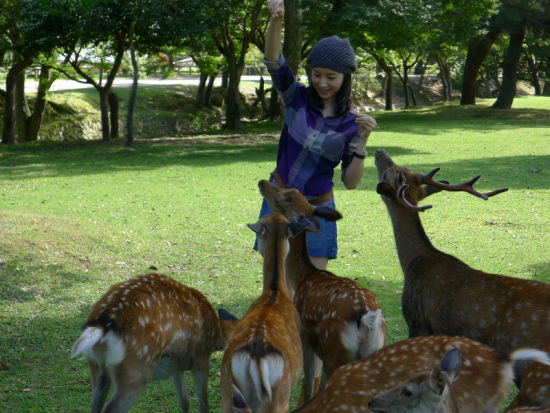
pixel 78 217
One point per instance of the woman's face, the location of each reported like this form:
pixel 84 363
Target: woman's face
pixel 326 83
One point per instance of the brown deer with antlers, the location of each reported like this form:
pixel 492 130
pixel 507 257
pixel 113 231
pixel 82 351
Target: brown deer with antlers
pixel 340 320
pixel 443 295
pixel 147 328
pixel 263 358
pixel 483 383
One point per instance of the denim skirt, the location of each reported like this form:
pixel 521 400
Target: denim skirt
pixel 324 244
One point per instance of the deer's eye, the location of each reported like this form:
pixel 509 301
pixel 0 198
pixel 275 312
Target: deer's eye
pixel 406 392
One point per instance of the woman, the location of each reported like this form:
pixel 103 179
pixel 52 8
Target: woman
pixel 320 129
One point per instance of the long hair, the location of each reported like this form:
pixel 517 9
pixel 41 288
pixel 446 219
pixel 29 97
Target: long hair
pixel 343 96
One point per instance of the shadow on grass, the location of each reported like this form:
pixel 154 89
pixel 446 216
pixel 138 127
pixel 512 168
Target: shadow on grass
pixel 477 118
pixel 27 162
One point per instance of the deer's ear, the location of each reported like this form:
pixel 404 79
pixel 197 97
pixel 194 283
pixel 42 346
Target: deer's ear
pixel 239 403
pixel 258 228
pixel 451 363
pixel 430 190
pixel 328 213
pixel 295 228
pixel 436 381
pixel 385 189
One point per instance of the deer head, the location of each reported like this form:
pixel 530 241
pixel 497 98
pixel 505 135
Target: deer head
pixel 424 393
pixel 408 188
pixel 293 205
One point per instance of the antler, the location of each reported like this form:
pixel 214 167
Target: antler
pixel 403 199
pixel 466 186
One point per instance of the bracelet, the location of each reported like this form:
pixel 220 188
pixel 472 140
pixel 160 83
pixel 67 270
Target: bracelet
pixel 360 155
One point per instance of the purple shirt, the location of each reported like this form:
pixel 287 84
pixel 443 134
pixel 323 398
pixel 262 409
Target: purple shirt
pixel 311 145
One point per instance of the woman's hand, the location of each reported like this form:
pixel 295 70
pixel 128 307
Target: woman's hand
pixel 366 124
pixel 277 8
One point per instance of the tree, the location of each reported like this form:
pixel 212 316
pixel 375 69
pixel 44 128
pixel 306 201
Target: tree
pixel 478 48
pixel 451 29
pixel 16 28
pixel 394 32
pixel 537 56
pixel 517 16
pixel 83 41
pixel 240 21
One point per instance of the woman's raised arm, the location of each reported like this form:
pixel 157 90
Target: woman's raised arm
pixel 274 30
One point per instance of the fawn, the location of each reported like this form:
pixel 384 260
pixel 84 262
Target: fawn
pixel 146 328
pixel 263 358
pixel 341 321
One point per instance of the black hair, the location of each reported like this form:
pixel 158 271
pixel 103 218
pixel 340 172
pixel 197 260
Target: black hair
pixel 343 96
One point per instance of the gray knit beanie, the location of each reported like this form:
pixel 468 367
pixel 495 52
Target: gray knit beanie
pixel 333 53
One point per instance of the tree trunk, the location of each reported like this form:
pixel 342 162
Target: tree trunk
pixel 445 74
pixel 477 50
pixel 8 134
pixel 104 111
pixel 233 97
pixel 405 82
pixel 114 108
pixel 35 121
pixel 225 78
pixel 510 69
pixel 133 92
pixel 22 111
pixel 208 92
pixel 388 91
pixel 292 48
pixel 275 109
pixel 201 91
pixel 388 80
pixel 533 66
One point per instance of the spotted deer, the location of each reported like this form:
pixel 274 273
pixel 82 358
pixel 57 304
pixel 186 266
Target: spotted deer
pixel 146 328
pixel 443 295
pixel 426 393
pixel 483 383
pixel 341 321
pixel 535 388
pixel 263 357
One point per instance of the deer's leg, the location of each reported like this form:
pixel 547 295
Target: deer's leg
pixel 181 390
pixel 101 382
pixel 200 372
pixel 129 384
pixel 309 374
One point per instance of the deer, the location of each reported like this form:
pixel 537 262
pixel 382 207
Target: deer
pixel 150 327
pixel 534 391
pixel 483 383
pixel 443 295
pixel 263 357
pixel 425 393
pixel 341 321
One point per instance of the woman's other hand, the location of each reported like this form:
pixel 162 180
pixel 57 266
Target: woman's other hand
pixel 277 8
pixel 366 124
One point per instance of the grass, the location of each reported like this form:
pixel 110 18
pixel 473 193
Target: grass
pixel 78 217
